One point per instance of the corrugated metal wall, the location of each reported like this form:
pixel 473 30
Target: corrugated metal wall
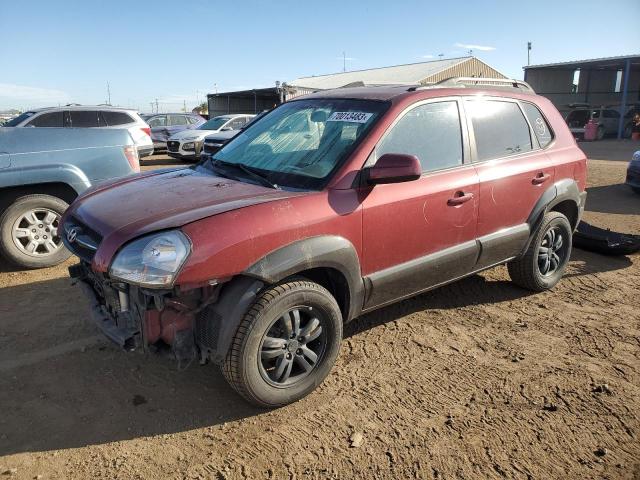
pixel 471 67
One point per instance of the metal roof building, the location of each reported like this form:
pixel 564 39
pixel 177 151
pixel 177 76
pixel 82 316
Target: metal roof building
pixel 422 73
pixel 609 81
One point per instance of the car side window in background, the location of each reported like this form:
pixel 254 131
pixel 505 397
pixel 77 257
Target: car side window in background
pixel 538 123
pixel 160 121
pixel 431 132
pixel 83 118
pixel 51 119
pixel 500 128
pixel 236 124
pixel 177 120
pixel 116 118
pixel 193 120
pixel 610 114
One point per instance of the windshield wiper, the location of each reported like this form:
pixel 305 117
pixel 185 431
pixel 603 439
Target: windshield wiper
pixel 261 178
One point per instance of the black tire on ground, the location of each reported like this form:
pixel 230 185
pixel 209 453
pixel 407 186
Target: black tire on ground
pixel 42 204
pixel 636 190
pixel 253 362
pixel 527 271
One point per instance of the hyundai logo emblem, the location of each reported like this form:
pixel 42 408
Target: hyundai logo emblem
pixel 71 235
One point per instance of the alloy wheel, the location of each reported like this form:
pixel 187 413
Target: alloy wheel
pixel 293 346
pixel 35 232
pixel 551 253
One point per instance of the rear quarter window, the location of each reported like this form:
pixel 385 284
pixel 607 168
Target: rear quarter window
pixel 116 118
pixel 500 128
pixel 83 118
pixel 50 119
pixel 540 126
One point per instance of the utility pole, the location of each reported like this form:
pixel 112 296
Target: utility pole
pixel 528 53
pixel 470 52
pixel 108 94
pixel 184 106
pixel 157 108
pixel 151 103
pixel 440 55
pixel 344 61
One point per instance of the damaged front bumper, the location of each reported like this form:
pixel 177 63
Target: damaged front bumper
pixel 134 318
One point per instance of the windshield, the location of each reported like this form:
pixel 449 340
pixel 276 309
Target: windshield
pixel 301 143
pixel 19 119
pixel 214 123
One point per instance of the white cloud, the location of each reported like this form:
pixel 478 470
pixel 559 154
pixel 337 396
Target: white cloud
pixel 469 46
pixel 19 95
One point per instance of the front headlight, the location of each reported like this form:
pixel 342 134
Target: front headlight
pixel 189 146
pixel 152 261
pixel 635 160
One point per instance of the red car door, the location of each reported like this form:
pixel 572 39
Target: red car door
pixel 513 172
pixel 421 233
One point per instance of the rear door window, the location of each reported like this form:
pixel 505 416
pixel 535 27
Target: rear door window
pixel 177 120
pixel 158 121
pixel 500 128
pixel 431 132
pixel 116 118
pixel 538 123
pixel 50 119
pixel 83 118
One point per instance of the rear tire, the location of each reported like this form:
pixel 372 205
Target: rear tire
pixel 30 232
pixel 285 345
pixel 636 190
pixel 543 264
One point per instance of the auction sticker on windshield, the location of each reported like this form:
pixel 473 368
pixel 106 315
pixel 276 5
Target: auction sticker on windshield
pixel 356 117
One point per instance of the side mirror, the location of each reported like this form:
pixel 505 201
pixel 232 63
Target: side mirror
pixel 394 168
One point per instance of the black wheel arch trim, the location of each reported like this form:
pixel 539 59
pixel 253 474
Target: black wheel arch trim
pixel 217 325
pixel 325 251
pixel 566 189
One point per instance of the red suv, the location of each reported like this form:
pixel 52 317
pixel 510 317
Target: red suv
pixel 328 207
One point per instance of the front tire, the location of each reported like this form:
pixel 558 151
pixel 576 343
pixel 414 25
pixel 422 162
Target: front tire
pixel 30 232
pixel 285 345
pixel 543 264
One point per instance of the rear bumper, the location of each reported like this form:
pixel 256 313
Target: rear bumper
pixel 145 150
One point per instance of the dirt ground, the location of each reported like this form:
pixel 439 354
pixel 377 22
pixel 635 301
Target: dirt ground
pixel 479 379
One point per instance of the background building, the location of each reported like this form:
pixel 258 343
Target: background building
pixel 423 73
pixel 611 81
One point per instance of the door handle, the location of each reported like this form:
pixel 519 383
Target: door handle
pixel 459 199
pixel 540 178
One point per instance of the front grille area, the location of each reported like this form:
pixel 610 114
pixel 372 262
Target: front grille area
pixel 173 146
pixel 80 239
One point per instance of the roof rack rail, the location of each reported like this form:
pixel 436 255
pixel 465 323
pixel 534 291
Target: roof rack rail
pixel 463 82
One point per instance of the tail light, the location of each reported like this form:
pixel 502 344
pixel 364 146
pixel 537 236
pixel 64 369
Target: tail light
pixel 132 157
pixel 146 130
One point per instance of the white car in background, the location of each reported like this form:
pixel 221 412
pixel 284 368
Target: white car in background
pixel 84 116
pixel 187 144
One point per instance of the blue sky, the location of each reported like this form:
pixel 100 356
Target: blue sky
pixel 66 51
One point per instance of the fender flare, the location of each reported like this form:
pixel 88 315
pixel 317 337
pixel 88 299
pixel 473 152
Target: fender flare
pixel 49 173
pixel 217 324
pixel 326 251
pixel 566 189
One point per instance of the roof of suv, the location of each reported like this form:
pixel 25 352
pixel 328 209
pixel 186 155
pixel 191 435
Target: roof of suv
pixel 393 92
pixel 84 107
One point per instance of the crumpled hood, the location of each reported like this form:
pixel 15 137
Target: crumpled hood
pixel 195 135
pixel 132 206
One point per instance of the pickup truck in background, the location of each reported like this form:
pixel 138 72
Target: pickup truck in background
pixel 42 170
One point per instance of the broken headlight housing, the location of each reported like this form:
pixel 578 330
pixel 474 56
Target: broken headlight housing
pixel 152 261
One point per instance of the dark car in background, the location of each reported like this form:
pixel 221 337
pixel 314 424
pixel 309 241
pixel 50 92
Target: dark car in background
pixel 214 142
pixel 633 173
pixel 164 125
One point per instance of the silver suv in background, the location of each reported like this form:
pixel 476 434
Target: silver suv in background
pixel 605 118
pixel 84 116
